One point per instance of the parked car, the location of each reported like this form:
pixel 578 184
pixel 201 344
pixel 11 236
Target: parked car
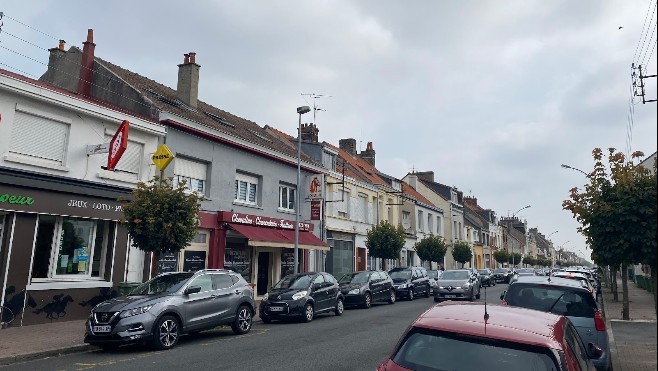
pixel 522 272
pixel 434 275
pixel 565 297
pixel 365 287
pixel 457 284
pixel 162 309
pixel 502 275
pixel 486 277
pixel 470 336
pixel 410 282
pixel 302 296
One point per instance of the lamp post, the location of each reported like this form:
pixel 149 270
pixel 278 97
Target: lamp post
pixel 561 251
pixel 513 215
pixel 572 168
pixel 300 110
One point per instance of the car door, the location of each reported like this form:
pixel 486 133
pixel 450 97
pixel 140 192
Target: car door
pixel 332 289
pixel 199 307
pixel 580 309
pixel 227 297
pixel 387 285
pixel 415 280
pixel 375 286
pixel 319 292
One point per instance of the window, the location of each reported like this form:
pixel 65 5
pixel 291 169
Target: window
pixel 204 281
pixel 73 248
pixel 405 219
pixel 39 136
pixel 328 160
pixel 131 160
pixel 193 173
pixel 287 197
pixel 343 207
pixel 420 221
pixel 223 281
pixel 363 205
pixel 439 225
pixel 454 230
pixel 246 188
pixel 430 223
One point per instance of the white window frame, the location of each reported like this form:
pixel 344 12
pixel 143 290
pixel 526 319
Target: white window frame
pixel 430 222
pixel 289 190
pixel 248 181
pixel 420 221
pixel 343 208
pixel 439 225
pixel 193 174
pixel 363 201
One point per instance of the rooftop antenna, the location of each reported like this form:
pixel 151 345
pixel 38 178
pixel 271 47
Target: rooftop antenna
pixel 315 96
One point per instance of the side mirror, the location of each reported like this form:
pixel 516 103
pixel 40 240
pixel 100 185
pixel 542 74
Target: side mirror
pixel 316 286
pixel 594 351
pixel 192 290
pixel 502 295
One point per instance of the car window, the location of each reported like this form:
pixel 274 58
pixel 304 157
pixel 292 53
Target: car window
pixel 375 276
pixel 576 346
pixel 432 350
pixel 405 275
pixel 384 275
pixel 294 282
pixel 204 281
pixel 223 281
pixel 455 275
pixel 168 283
pixel 329 278
pixel 319 279
pixel 555 299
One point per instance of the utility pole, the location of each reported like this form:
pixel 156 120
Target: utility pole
pixel 640 83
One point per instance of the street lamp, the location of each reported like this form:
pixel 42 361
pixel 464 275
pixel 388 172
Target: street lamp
pixel 552 233
pixel 300 110
pixel 572 168
pixel 513 215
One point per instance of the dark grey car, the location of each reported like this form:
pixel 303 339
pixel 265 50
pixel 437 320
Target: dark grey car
pixel 169 305
pixel 457 284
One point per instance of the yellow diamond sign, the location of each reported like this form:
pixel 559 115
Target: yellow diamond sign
pixel 162 157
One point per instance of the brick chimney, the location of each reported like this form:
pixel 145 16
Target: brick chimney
pixel 471 201
pixel 56 54
pixel 369 154
pixel 426 175
pixel 188 80
pixel 348 145
pixel 86 65
pixel 310 133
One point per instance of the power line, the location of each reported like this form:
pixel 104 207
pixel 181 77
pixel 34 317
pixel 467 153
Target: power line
pixel 650 38
pixel 30 27
pixel 643 27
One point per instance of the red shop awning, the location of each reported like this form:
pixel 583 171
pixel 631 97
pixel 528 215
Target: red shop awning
pixel 272 237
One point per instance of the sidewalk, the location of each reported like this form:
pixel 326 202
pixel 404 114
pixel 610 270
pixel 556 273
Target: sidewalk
pixel 18 344
pixel 633 342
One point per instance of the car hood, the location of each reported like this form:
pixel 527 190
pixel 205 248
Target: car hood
pixel 345 287
pixel 128 302
pixel 455 283
pixel 400 280
pixel 282 294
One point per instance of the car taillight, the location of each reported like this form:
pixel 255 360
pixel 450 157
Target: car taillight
pixel 599 321
pixel 503 302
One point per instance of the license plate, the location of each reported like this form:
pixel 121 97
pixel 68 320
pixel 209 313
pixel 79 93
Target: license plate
pixel 450 296
pixel 276 309
pixel 102 328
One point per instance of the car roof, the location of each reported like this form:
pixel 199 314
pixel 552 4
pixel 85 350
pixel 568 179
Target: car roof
pixel 549 281
pixel 519 325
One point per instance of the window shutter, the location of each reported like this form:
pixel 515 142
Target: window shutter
pixel 190 169
pixel 39 137
pixel 131 160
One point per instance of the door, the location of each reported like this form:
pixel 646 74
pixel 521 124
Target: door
pixel 376 286
pixel 263 274
pixel 200 307
pixel 228 297
pixel 319 293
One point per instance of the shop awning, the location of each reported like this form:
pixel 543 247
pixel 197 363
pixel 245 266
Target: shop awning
pixel 271 237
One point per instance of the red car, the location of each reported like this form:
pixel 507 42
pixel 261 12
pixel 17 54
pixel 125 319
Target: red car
pixel 456 336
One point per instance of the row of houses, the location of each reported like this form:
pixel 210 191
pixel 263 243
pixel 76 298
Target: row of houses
pixel 62 246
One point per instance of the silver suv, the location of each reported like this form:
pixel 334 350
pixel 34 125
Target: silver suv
pixel 162 309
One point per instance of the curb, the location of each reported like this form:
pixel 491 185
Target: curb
pixel 4 361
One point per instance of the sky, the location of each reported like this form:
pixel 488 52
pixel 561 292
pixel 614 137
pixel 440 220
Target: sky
pixel 493 96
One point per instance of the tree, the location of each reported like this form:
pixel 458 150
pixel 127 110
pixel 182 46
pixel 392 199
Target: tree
pixel 161 217
pixel 432 249
pixel 529 260
pixel 617 213
pixel 515 258
pixel 461 252
pixel 543 261
pixel 385 241
pixel 501 256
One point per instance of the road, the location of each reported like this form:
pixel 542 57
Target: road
pixel 358 340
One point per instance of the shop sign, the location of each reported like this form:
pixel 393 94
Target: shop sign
pixel 167 262
pixel 16 199
pixel 162 157
pixel 194 261
pixel 264 221
pixel 94 205
pixel 118 145
pixel 315 186
pixel 316 206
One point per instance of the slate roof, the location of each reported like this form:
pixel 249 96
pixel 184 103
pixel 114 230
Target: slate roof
pixel 440 189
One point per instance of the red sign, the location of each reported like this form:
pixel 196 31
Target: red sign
pixel 118 145
pixel 261 221
pixel 316 206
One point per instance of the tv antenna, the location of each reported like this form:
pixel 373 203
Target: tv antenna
pixel 315 97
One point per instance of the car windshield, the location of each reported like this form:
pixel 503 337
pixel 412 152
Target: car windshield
pixel 433 350
pixel 483 271
pixel 433 274
pixel 526 271
pixel 359 277
pixel 454 275
pixel 168 283
pixel 500 271
pixel 405 275
pixel 555 299
pixel 294 282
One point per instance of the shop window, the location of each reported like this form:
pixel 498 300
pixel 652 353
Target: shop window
pixel 287 197
pixel 68 247
pixel 238 259
pixel 246 189
pixel 193 173
pixel 39 136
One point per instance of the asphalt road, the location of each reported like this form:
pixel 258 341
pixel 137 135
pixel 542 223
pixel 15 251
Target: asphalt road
pixel 358 340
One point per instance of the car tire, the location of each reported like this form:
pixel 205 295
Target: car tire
pixel 309 313
pixel 166 333
pixel 411 294
pixel 437 299
pixel 243 320
pixel 391 299
pixel 340 307
pixel 367 301
pixel 427 292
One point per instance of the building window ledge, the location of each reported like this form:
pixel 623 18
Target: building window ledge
pixel 246 204
pixel 27 160
pixel 113 175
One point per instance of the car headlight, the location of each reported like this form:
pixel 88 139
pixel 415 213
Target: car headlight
pixel 267 295
pixel 299 295
pixel 135 311
pixel 404 285
pixel 353 292
pixel 442 287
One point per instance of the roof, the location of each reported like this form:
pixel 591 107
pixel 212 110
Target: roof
pixel 554 281
pixel 440 189
pixel 513 324
pixel 411 191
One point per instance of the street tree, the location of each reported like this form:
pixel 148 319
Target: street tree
pixel 161 216
pixel 515 258
pixel 432 249
pixel 461 252
pixel 501 256
pixel 385 241
pixel 529 260
pixel 617 213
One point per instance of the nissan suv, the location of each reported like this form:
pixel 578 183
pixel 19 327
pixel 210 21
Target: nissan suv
pixel 172 304
pixel 410 282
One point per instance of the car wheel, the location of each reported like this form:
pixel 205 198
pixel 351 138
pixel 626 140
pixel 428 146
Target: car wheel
pixel 367 300
pixel 391 299
pixel 494 283
pixel 427 291
pixel 242 323
pixel 340 307
pixel 308 312
pixel 438 300
pixel 166 333
pixel 411 294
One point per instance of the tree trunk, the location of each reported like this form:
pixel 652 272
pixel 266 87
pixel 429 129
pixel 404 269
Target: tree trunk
pixel 384 265
pixel 615 294
pixel 653 287
pixel 625 312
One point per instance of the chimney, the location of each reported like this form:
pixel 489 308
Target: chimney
pixel 188 80
pixel 348 145
pixel 471 201
pixel 426 175
pixel 56 54
pixel 310 133
pixel 412 180
pixel 87 64
pixel 369 154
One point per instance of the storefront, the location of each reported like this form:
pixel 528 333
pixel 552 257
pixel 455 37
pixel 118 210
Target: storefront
pixel 260 248
pixel 62 249
pixel 341 258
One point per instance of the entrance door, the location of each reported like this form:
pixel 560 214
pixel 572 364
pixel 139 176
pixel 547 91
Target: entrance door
pixel 263 273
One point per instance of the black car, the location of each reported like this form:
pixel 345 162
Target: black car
pixel 365 287
pixel 502 275
pixel 486 277
pixel 302 296
pixel 410 282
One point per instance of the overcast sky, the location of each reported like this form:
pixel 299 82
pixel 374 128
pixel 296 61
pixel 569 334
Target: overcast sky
pixel 490 95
